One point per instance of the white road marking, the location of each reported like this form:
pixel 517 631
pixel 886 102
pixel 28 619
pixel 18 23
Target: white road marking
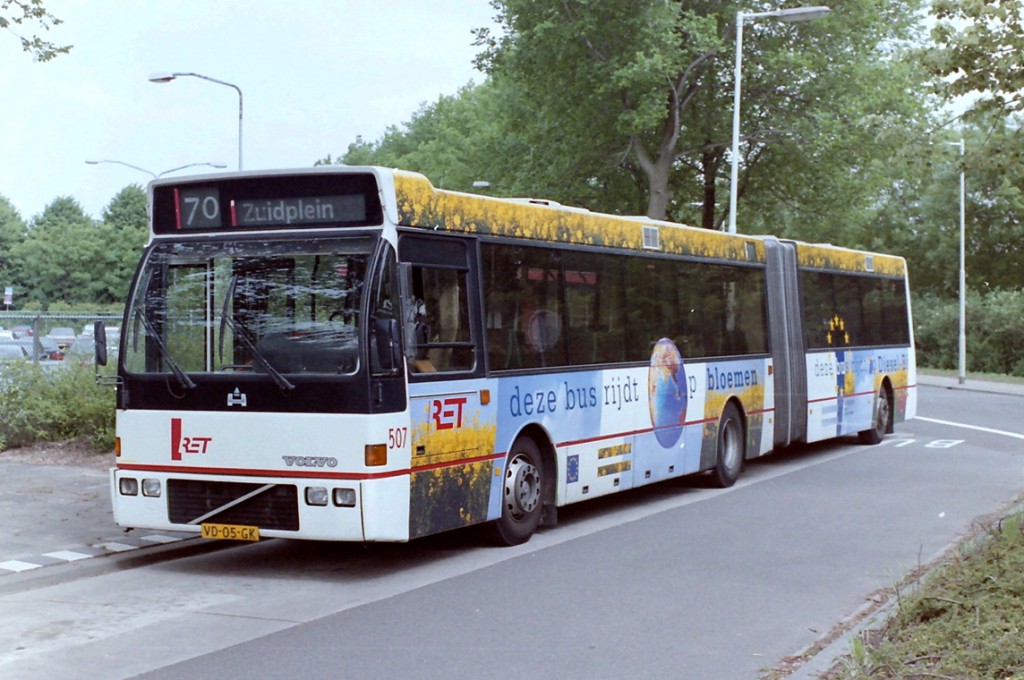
pixel 966 426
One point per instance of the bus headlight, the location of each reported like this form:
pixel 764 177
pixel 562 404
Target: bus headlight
pixel 345 498
pixel 316 495
pixel 151 488
pixel 129 486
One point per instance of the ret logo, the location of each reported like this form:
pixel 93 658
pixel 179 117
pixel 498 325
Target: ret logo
pixel 191 445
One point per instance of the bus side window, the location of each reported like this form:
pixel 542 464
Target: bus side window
pixel 437 319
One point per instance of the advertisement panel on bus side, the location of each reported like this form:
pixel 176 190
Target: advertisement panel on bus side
pixel 612 429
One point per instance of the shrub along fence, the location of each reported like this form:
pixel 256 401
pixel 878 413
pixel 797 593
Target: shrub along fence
pixel 42 404
pixel 50 399
pixel 995 332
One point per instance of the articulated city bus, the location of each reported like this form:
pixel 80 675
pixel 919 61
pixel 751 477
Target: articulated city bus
pixel 351 354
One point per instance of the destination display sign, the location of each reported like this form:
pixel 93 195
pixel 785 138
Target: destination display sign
pixel 285 202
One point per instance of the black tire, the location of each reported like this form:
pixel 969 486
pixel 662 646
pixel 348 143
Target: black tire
pixel 522 494
pixel 731 448
pixel 881 414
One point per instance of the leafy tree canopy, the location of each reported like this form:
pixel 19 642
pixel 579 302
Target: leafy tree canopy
pixel 640 92
pixel 26 12
pixel 979 50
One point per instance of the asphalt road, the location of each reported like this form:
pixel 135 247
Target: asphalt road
pixel 678 581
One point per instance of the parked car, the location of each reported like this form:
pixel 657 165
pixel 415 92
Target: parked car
pixel 83 352
pixel 22 332
pixel 51 349
pixel 62 335
pixel 12 352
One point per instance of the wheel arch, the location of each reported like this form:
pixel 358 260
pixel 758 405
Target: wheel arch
pixel 542 438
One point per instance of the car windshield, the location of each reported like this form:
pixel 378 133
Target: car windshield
pixel 273 307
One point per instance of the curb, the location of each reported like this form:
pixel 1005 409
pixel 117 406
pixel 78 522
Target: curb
pixel 103 548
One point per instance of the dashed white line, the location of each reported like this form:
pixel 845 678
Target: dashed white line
pixel 67 555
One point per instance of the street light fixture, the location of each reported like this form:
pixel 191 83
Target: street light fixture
pixel 788 15
pixel 166 77
pixel 156 175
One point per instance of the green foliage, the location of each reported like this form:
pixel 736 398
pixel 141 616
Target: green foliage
pixel 65 257
pixel 979 50
pixel 625 107
pixel 12 232
pixel 631 95
pixel 964 622
pixel 994 328
pixel 56 258
pixel 54 405
pixel 21 12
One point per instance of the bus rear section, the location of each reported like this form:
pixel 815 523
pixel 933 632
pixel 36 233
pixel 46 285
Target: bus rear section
pixel 861 372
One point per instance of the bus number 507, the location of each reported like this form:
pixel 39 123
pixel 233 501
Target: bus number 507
pixel 397 437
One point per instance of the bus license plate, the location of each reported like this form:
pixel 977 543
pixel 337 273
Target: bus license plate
pixel 230 532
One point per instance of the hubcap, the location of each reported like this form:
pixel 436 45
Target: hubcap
pixel 522 487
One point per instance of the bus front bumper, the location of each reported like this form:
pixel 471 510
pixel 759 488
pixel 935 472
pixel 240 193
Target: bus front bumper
pixel 233 506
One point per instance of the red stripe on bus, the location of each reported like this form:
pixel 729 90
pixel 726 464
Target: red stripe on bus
pixel 456 463
pixel 307 473
pixel 836 398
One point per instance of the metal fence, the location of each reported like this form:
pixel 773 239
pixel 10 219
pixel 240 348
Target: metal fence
pixel 46 336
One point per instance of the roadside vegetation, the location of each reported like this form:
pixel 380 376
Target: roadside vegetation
pixel 965 621
pixel 53 405
pixel 995 326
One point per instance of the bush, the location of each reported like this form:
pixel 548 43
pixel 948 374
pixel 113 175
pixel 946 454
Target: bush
pixel 54 405
pixel 995 326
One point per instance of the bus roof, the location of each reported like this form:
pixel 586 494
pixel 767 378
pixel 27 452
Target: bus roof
pixel 420 204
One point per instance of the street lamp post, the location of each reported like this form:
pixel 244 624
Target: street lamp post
pixel 168 77
pixel 962 349
pixel 788 15
pixel 156 175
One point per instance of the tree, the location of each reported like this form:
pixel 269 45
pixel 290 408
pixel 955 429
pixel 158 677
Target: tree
pixel 452 141
pixel 641 92
pixel 979 49
pixel 61 258
pixel 124 231
pixel 21 12
pixel 12 231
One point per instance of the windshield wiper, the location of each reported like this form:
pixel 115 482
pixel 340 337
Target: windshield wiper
pixel 241 331
pixel 182 376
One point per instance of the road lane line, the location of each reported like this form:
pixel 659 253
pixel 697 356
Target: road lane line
pixel 966 426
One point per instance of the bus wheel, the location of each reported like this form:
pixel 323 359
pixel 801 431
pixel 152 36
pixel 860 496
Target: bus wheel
pixel 731 448
pixel 882 412
pixel 521 494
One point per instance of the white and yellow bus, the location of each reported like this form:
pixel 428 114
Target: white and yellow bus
pixel 351 354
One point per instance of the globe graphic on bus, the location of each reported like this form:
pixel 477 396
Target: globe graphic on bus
pixel 666 385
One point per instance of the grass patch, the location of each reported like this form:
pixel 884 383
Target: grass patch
pixel 965 621
pixel 971 375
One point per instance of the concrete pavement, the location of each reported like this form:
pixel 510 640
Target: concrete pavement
pixel 55 514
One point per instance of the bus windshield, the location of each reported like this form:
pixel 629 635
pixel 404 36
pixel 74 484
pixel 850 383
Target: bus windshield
pixel 261 306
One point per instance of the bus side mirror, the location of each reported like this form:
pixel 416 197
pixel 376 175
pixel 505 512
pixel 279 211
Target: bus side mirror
pixel 100 339
pixel 389 347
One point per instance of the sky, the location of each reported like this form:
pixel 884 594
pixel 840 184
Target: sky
pixel 314 75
